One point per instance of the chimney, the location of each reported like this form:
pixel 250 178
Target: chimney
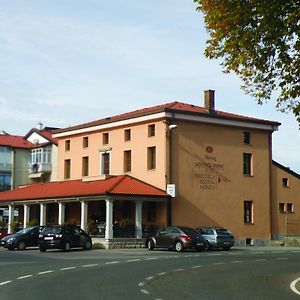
pixel 40 126
pixel 209 100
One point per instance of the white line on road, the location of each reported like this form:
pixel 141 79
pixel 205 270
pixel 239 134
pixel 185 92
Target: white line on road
pixel 178 270
pixel 162 273
pixel 293 286
pixel 133 260
pixel 281 258
pixel 145 292
pixel 151 258
pixel 258 252
pixel 218 263
pixel 149 278
pixel 236 261
pixel 260 259
pixel 5 282
pixel 25 276
pixel 112 262
pixel 67 268
pixel 141 284
pixel 196 267
pixel 46 272
pixel 90 265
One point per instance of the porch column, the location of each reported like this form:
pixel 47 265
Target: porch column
pixel 11 214
pixel 84 209
pixel 138 220
pixel 43 208
pixel 109 220
pixel 61 213
pixel 26 215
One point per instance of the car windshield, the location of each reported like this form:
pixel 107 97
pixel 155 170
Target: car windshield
pixel 25 230
pixel 52 229
pixel 189 231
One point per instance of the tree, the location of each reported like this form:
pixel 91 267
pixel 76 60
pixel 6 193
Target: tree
pixel 259 41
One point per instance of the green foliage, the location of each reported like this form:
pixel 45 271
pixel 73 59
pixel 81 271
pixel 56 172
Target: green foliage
pixel 32 222
pixel 259 41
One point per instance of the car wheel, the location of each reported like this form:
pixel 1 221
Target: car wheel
pixel 199 249
pixel 87 245
pixel 178 246
pixel 150 245
pixel 208 246
pixel 42 249
pixel 21 245
pixel 67 246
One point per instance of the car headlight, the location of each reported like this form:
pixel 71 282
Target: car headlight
pixel 11 240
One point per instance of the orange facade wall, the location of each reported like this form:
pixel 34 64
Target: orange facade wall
pixel 211 188
pixel 285 203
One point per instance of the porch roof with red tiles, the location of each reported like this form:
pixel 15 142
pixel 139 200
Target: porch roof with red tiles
pixel 115 185
pixel 15 141
pixel 175 106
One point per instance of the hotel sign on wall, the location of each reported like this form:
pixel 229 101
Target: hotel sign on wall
pixel 208 171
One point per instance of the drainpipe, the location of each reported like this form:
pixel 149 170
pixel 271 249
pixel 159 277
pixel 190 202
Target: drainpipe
pixel 13 163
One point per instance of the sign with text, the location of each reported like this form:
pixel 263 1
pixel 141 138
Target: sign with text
pixel 171 190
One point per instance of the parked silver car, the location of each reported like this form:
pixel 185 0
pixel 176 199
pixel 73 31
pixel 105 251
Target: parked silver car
pixel 217 237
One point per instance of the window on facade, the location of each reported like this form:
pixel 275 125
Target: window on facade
pixel 248 212
pixel 5 181
pixel 85 166
pixel 127 135
pixel 5 156
pixel 246 137
pixel 247 163
pixel 285 182
pixel 290 207
pixel 105 138
pixel 105 163
pixel 67 169
pixel 282 207
pixel 67 145
pixel 151 130
pixel 127 161
pixel 151 158
pixel 85 142
pixel 151 212
pixel 40 155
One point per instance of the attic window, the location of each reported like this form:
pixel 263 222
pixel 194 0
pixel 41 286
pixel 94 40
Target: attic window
pixel 67 145
pixel 285 182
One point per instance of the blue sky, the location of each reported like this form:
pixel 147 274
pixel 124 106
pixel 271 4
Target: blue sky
pixel 66 62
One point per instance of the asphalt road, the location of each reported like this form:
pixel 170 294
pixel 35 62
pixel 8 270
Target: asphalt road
pixel 256 272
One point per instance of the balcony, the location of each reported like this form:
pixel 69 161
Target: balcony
pixel 38 169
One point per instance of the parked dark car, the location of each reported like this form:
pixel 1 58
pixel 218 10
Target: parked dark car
pixel 63 237
pixel 27 237
pixel 178 238
pixel 217 237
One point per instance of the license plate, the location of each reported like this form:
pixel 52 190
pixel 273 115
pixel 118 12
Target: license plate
pixel 48 238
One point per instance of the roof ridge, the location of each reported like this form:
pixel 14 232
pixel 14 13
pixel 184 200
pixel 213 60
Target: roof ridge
pixel 122 177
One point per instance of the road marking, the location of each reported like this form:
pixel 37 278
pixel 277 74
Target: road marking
pixel 258 252
pixel 178 270
pixel 26 276
pixel 151 258
pixel 141 284
pixel 112 262
pixel 67 268
pixel 236 261
pixel 281 258
pixel 196 267
pixel 45 272
pixel 293 286
pixel 145 292
pixel 5 282
pixel 218 263
pixel 215 254
pixel 149 278
pixel 260 259
pixel 162 273
pixel 133 260
pixel 90 265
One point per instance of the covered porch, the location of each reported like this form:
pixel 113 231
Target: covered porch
pixel 114 210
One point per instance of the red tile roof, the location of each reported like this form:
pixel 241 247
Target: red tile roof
pixel 15 141
pixel 115 185
pixel 46 133
pixel 175 106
